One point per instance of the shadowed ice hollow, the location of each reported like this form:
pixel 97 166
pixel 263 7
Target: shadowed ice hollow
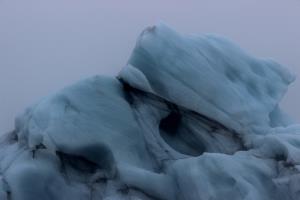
pixel 189 118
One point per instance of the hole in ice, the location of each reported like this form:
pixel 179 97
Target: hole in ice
pixel 171 123
pixel 77 162
pixel 177 135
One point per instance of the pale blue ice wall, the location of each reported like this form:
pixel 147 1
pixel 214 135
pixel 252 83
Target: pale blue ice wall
pixel 45 45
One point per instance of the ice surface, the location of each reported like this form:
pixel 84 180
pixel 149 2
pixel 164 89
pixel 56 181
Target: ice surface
pixel 189 117
pixel 89 119
pixel 209 75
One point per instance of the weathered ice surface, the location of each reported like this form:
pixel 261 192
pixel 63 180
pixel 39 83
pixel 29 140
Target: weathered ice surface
pixel 188 118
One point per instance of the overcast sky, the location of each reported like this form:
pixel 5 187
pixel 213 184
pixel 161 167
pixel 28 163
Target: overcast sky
pixel 48 44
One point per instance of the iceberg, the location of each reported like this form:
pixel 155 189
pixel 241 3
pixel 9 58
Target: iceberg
pixel 189 117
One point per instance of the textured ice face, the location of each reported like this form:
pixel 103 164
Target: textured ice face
pixel 209 75
pixel 188 118
pixel 71 121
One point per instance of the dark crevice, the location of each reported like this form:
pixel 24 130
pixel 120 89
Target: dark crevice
pixel 280 157
pixel 177 130
pixel 127 88
pixel 36 148
pixel 78 163
pixel 137 92
pixel 174 132
pixel 8 195
pixel 171 123
pixel 88 164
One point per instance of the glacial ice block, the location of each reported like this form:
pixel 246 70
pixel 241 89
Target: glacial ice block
pixel 188 118
pixel 207 74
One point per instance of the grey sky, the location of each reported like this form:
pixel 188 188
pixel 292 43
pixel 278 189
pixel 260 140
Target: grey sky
pixel 48 44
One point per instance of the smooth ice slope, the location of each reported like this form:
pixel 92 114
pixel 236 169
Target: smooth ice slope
pixel 188 118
